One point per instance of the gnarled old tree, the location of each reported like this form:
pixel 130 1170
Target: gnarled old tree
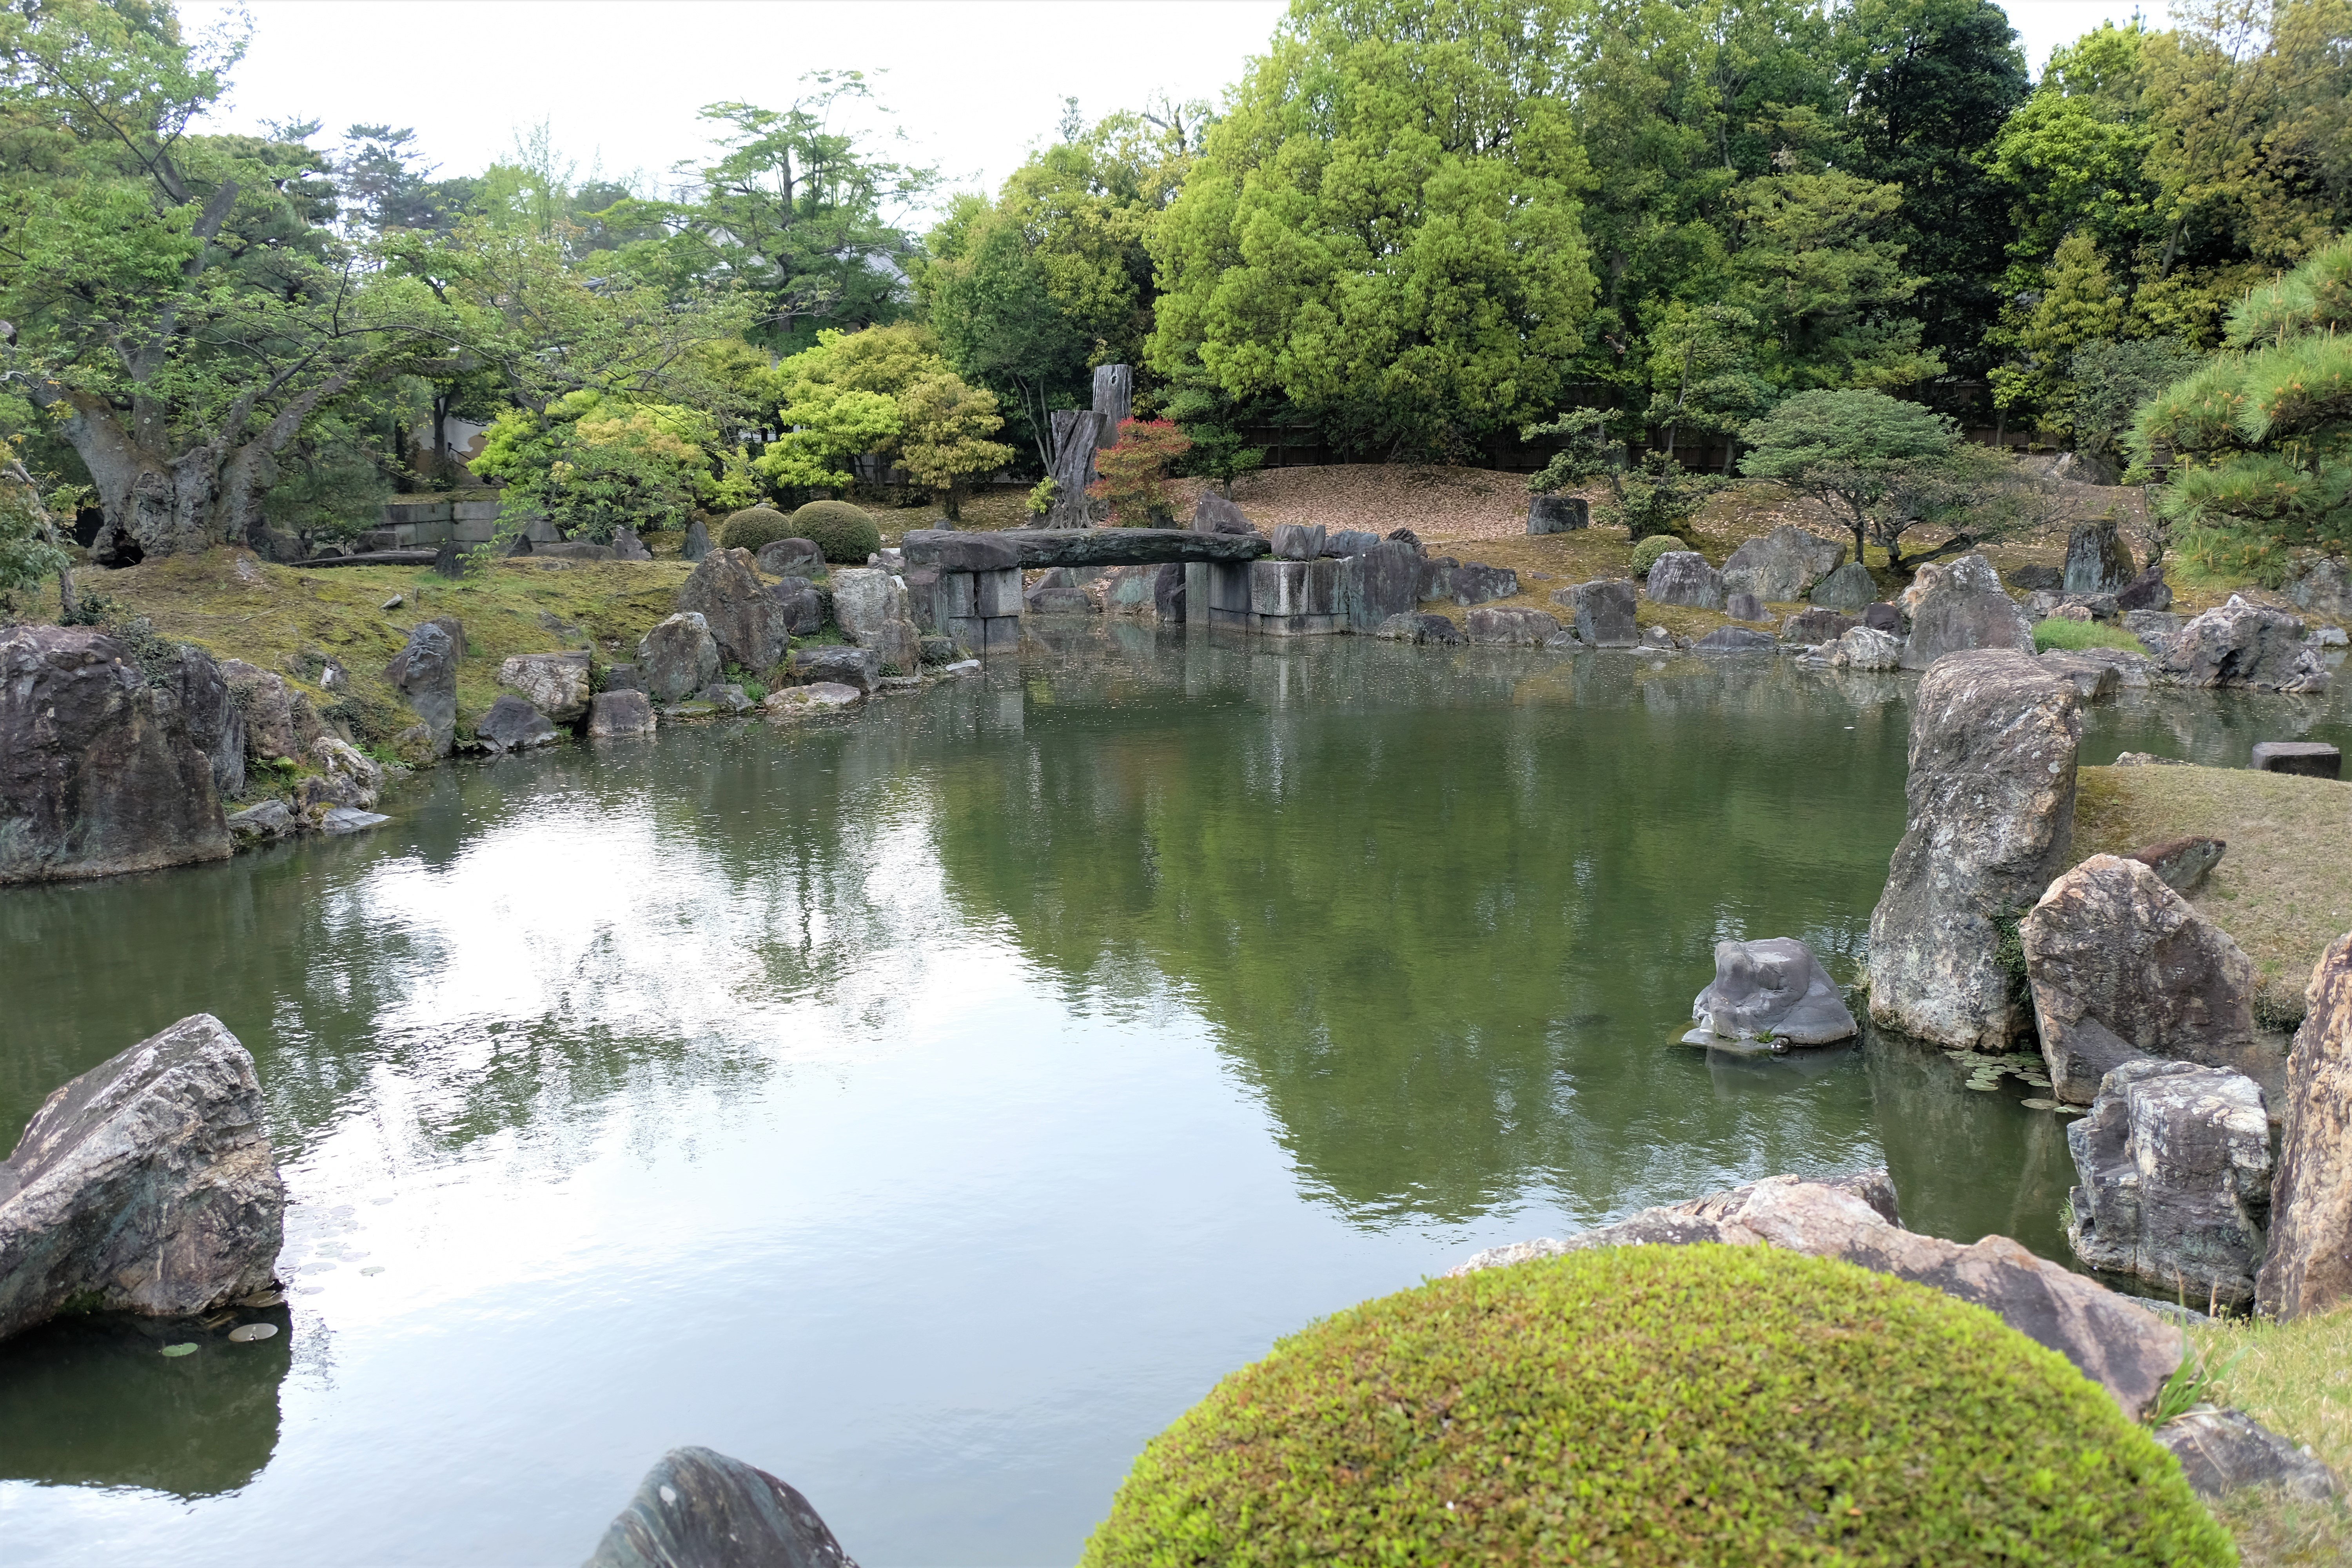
pixel 181 307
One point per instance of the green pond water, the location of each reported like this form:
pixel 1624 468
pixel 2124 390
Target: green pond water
pixel 928 1107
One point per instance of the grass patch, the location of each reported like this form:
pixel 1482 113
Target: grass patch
pixel 2284 891
pixel 2296 1379
pixel 2075 636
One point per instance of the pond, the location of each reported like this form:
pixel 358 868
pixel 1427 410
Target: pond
pixel 927 1107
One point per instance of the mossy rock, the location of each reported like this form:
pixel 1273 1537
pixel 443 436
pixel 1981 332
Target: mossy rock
pixel 845 533
pixel 754 526
pixel 1649 1405
pixel 1646 554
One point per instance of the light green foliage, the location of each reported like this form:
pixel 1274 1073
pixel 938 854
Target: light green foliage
pixel 1646 554
pixel 844 533
pixel 28 544
pixel 944 425
pixel 2076 635
pixel 591 463
pixel 1620 1405
pixel 1383 228
pixel 2260 438
pixel 753 526
pixel 886 389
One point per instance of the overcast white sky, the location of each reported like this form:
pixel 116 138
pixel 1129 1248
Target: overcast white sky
pixel 974 83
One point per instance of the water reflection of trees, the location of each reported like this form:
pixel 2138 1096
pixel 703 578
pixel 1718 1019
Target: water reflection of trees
pixel 1446 911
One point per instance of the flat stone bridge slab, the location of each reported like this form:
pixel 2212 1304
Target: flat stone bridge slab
pixel 1028 548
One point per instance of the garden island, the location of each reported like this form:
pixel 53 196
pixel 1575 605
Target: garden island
pixel 1564 788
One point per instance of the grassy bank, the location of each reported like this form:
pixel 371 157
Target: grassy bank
pixel 2296 1379
pixel 2283 890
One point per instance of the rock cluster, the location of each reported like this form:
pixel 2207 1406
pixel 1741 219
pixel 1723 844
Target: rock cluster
pixel 2244 645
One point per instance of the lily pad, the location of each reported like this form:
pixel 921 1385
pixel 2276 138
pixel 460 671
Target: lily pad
pixel 252 1332
pixel 2039 1104
pixel 178 1350
pixel 372 1269
pixel 1984 1087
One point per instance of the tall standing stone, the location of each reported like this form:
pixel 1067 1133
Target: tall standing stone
pixel 1078 436
pixel 2098 560
pixel 697 544
pixel 1684 577
pixel 1957 606
pixel 2309 1268
pixel 1114 398
pixel 751 628
pixel 1990 818
pixel 424 673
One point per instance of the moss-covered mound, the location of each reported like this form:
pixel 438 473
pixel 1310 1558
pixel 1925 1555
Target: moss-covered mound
pixel 1654 1406
pixel 1646 554
pixel 846 534
pixel 752 527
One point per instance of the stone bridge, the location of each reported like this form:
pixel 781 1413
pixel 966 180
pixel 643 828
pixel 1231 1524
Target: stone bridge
pixel 968 585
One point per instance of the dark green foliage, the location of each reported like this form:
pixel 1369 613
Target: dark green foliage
pixel 1656 1405
pixel 2113 379
pixel 846 534
pixel 755 526
pixel 1654 499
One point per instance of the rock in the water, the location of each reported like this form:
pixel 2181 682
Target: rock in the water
pixel 260 824
pixel 748 626
pixel 1297 541
pixel 802 558
pixel 554 683
pixel 102 770
pixel 2126 1351
pixel 1511 628
pixel 2309 1268
pixel 1847 588
pixel 2222 1451
pixel 1772 988
pixel 2093 680
pixel 1684 577
pixel 1476 585
pixel 1603 610
pixel 698 543
pixel 1990 818
pixel 2306 758
pixel 1558 514
pixel 677 658
pixel 144 1185
pixel 2181 863
pixel 1737 640
pixel 1745 607
pixel 817 697
pixel 2244 645
pixel 1167 596
pixel 514 725
pixel 1864 647
pixel 726 697
pixel 346 776
pixel 2117 960
pixel 2173 1173
pixel 349 819
pixel 279 720
pixel 1415 627
pixel 2098 560
pixel 853 667
pixel 625 713
pixel 1783 564
pixel 1957 606
pixel 1385 582
pixel 424 673
pixel 697 1508
pixel 2149 591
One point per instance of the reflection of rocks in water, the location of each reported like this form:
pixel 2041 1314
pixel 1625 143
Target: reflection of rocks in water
pixel 1968 1164
pixel 93 1401
pixel 1765 1072
pixel 2216 727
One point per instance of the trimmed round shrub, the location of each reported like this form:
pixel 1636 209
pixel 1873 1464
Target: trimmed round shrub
pixel 1640 1406
pixel 846 534
pixel 752 527
pixel 1646 554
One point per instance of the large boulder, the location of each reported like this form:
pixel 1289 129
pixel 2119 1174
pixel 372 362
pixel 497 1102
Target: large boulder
pixel 857 667
pixel 1782 565
pixel 2122 966
pixel 1297 541
pixel 1057 592
pixel 1814 628
pixel 101 770
pixel 869 605
pixel 1737 640
pixel 2321 584
pixel 513 725
pixel 2244 645
pixel 424 673
pixel 697 1508
pixel 1511 628
pixel 627 546
pixel 345 777
pixel 817 697
pixel 2098 560
pixel 1474 583
pixel 144 1185
pixel 1957 606
pixel 1990 818
pixel 2149 591
pixel 749 626
pixel 616 714
pixel 554 683
pixel 792 558
pixel 677 658
pixel 2173 1169
pixel 1773 988
pixel 1414 627
pixel 1604 611
pixel 696 543
pixel 803 608
pixel 1866 649
pixel 1558 514
pixel 280 722
pixel 2309 1268
pixel 1848 588
pixel 194 694
pixel 2127 1349
pixel 1384 581
pixel 1212 513
pixel 1684 577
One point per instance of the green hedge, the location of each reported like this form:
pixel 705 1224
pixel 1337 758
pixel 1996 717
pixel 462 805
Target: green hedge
pixel 846 534
pixel 1654 1406
pixel 752 527
pixel 1646 554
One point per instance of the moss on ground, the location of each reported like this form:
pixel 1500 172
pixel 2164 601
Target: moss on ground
pixel 1658 1404
pixel 2283 888
pixel 234 607
pixel 2296 1379
pixel 2076 635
